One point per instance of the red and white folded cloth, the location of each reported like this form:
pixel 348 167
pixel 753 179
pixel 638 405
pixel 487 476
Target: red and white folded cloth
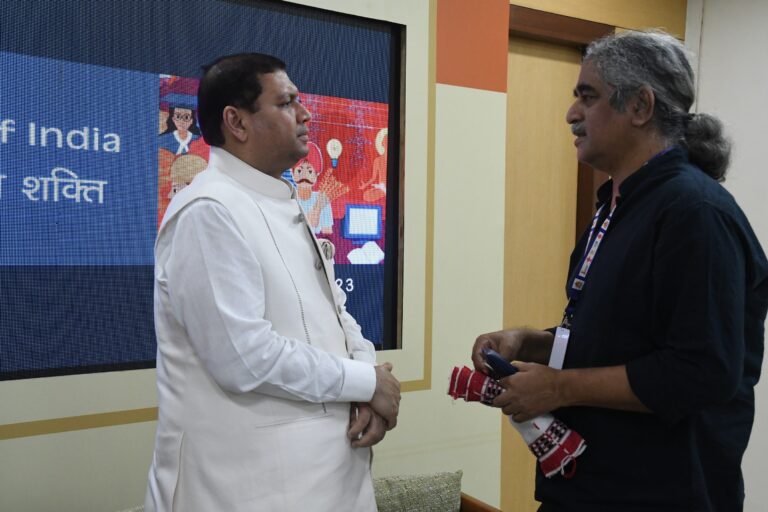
pixel 551 441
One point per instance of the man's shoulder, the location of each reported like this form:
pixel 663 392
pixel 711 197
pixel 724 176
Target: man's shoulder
pixel 689 187
pixel 212 184
pixel 691 200
pixel 208 188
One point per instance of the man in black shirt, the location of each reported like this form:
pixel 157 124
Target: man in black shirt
pixel 667 299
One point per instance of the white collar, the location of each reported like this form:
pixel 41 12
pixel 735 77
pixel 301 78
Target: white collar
pixel 227 163
pixel 183 144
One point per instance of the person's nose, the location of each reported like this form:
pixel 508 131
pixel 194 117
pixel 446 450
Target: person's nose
pixel 304 115
pixel 573 115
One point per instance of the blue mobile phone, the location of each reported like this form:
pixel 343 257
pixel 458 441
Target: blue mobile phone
pixel 499 366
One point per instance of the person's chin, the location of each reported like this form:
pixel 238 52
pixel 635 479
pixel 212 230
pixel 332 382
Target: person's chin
pixel 582 152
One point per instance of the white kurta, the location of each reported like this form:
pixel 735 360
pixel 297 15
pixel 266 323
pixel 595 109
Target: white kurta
pixel 257 357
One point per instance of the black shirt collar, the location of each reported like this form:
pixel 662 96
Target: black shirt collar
pixel 667 159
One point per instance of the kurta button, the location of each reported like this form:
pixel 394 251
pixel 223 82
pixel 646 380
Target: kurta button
pixel 318 264
pixel 300 218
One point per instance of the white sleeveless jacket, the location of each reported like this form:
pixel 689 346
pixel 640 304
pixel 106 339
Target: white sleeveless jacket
pixel 257 357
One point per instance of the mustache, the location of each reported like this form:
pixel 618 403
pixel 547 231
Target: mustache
pixel 578 129
pixel 304 180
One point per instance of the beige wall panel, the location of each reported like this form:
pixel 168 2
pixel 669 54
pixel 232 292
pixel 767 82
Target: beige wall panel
pixel 540 212
pixel 435 433
pixel 55 397
pixel 99 470
pixel 667 14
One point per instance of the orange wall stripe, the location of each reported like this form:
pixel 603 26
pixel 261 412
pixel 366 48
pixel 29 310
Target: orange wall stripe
pixel 472 39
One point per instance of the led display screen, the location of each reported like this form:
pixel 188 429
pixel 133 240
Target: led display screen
pixel 98 131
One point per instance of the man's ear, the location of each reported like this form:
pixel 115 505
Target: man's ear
pixel 232 123
pixel 641 106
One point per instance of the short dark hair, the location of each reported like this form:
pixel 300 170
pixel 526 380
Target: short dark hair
pixel 231 80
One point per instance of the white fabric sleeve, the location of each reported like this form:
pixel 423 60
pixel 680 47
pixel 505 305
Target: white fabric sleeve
pixel 359 348
pixel 216 290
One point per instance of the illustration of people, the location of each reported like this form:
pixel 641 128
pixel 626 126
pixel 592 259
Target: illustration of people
pixel 376 186
pixel 316 203
pixel 181 130
pixel 163 121
pixel 183 171
pixel 176 172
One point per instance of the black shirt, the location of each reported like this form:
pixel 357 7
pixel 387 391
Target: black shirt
pixel 678 293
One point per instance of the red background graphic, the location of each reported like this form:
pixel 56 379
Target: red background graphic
pixel 354 123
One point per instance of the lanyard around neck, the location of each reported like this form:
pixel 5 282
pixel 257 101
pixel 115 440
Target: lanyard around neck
pixel 596 235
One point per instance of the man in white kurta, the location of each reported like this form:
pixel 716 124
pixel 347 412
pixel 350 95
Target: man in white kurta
pixel 259 363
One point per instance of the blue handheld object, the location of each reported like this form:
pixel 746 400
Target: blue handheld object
pixel 498 365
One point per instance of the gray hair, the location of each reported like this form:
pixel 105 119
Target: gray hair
pixel 631 60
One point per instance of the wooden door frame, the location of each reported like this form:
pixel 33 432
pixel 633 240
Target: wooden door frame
pixel 562 36
pixel 576 33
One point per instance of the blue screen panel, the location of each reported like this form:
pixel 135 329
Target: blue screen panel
pixel 85 94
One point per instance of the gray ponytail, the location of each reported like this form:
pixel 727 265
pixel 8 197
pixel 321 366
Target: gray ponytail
pixel 708 147
pixel 631 60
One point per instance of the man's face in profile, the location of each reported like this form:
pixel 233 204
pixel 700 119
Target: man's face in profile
pixel 600 130
pixel 279 132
